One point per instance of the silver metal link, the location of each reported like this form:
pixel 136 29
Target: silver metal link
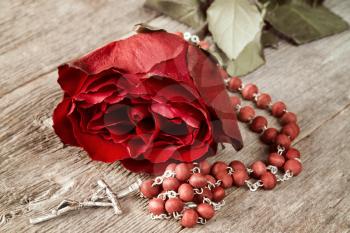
pixel 254 186
pixel 273 169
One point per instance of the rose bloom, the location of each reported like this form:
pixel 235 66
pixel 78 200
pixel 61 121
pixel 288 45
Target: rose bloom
pixel 146 101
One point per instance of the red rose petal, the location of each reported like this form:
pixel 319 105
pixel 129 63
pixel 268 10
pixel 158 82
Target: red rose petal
pixel 70 79
pixel 211 86
pixel 97 147
pixel 144 166
pixel 62 124
pixel 137 54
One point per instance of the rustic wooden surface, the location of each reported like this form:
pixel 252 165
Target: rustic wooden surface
pixel 36 171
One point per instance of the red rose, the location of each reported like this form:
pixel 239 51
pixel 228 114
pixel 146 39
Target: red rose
pixel 147 101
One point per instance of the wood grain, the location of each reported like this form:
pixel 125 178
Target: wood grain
pixel 36 171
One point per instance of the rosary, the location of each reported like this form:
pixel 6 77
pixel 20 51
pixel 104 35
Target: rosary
pixel 192 192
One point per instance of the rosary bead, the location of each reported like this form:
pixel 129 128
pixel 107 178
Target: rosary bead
pixel 189 218
pixel 269 180
pixel 234 84
pixel 205 211
pixel 246 113
pixel 205 167
pixel 148 190
pixel 249 91
pixel 288 117
pixel 218 194
pixel 292 130
pixel 278 109
pixel 198 180
pixel 171 167
pixel 294 166
pixel 283 140
pixel 276 160
pixel 258 124
pixel 258 168
pixel 174 205
pixel 235 100
pixel 171 183
pixel 263 100
pixel 182 171
pixel 239 177
pixel 204 44
pixel 218 167
pixel 226 179
pixel 198 198
pixel 210 179
pixel 156 206
pixel 292 153
pixel 269 135
pixel 186 192
pixel 237 165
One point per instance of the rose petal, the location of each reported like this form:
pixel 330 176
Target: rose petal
pixel 210 84
pixel 97 147
pixel 62 124
pixel 137 54
pixel 144 165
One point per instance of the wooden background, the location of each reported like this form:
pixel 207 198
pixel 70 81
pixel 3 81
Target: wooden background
pixel 36 171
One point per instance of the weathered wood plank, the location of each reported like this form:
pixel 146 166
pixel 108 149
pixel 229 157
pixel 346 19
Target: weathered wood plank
pixel 37 36
pixel 35 168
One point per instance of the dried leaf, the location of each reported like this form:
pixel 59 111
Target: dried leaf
pixel 248 60
pixel 233 24
pixel 189 12
pixel 269 39
pixel 303 23
pixel 145 28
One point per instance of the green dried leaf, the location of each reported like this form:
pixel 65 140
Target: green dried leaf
pixel 248 60
pixel 186 11
pixel 233 24
pixel 303 23
pixel 269 39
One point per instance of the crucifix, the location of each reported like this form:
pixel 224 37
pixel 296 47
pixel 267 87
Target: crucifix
pixel 103 197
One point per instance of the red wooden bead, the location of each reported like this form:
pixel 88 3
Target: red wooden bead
pixel 249 91
pixel 206 193
pixel 292 153
pixel 263 100
pixel 156 206
pixel 258 124
pixel 292 130
pixel 235 100
pixel 258 168
pixel 218 167
pixel 226 179
pixel 218 194
pixel 174 205
pixel 288 117
pixel 186 192
pixel 171 183
pixel 246 113
pixel 237 165
pixel 204 44
pixel 171 167
pixel 190 165
pixel 276 160
pixel 189 218
pixel 148 190
pixel 234 84
pixel 282 140
pixel 205 167
pixel 294 166
pixel 269 180
pixel 239 177
pixel 182 171
pixel 198 198
pixel 205 211
pixel 269 135
pixel 210 179
pixel 278 108
pixel 198 180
